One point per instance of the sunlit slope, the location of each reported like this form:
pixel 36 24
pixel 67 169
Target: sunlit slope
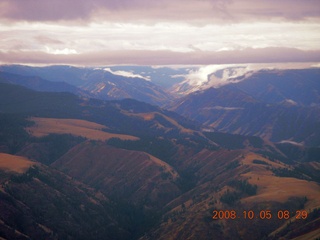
pixel 77 127
pixel 161 121
pixel 275 188
pixel 12 163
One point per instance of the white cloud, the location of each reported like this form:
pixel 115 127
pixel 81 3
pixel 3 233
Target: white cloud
pixel 214 76
pixel 65 51
pixel 126 74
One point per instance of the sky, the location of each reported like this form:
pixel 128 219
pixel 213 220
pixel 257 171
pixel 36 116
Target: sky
pixel 162 32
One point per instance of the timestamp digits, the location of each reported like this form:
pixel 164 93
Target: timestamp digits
pixel 262 214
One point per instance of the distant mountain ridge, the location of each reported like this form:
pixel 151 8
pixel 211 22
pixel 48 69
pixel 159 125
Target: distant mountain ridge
pixel 39 84
pixel 297 87
pixel 95 81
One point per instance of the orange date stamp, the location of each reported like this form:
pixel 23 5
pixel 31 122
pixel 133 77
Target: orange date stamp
pixel 262 214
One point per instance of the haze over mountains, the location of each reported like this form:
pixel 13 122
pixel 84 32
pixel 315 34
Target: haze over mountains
pixel 132 152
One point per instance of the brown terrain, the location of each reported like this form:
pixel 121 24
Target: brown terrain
pixel 144 180
pixel 108 179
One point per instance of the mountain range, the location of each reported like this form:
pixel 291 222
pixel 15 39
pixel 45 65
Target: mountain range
pixel 78 165
pixel 273 104
pixel 276 105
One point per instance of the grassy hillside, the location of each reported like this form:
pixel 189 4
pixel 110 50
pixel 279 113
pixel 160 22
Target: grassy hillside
pixel 44 126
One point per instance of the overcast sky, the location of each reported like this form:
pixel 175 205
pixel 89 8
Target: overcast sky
pixel 161 32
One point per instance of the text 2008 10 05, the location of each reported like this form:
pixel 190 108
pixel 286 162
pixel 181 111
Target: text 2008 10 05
pixel 262 214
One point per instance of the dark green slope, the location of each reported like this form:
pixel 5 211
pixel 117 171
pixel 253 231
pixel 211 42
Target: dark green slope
pixel 46 204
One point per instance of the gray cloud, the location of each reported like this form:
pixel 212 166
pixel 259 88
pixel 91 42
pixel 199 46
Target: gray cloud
pixel 184 10
pixel 287 9
pixel 143 57
pixel 45 10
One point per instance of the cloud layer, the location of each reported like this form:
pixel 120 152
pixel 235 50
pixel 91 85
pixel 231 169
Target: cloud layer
pixel 158 32
pixel 185 10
